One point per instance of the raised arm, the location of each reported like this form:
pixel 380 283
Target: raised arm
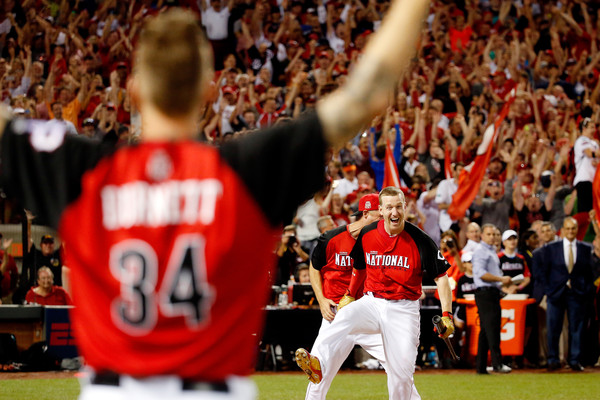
pixel 388 53
pixel 518 200
pixel 552 192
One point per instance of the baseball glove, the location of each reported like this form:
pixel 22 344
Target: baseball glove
pixel 449 325
pixel 344 301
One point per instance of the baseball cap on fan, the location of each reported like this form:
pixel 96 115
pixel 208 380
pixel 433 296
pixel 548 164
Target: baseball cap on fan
pixel 466 257
pixel 47 239
pixel 508 234
pixel 369 202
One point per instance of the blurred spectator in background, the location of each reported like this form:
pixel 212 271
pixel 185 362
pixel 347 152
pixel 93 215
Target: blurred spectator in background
pixel 9 274
pixel 586 156
pixel 564 268
pixel 494 203
pixel 215 18
pixel 464 286
pixel 302 274
pixel 443 198
pixel 289 255
pixel 48 256
pixel 349 183
pixel 46 293
pixel 488 279
pixel 473 237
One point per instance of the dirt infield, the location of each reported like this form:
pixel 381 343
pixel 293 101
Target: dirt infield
pixel 38 375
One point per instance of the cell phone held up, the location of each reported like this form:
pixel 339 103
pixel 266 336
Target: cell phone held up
pixel 291 240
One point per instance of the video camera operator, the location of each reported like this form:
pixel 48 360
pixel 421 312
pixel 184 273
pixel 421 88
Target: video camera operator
pixel 289 254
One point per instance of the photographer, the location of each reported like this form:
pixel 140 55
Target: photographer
pixel 451 252
pixel 289 255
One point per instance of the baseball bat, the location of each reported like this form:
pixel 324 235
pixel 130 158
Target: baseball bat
pixel 437 322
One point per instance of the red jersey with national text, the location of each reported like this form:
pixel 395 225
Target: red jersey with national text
pixel 396 265
pixel 170 243
pixel 331 257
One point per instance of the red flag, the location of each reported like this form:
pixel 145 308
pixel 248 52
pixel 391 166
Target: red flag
pixel 471 176
pixel 390 172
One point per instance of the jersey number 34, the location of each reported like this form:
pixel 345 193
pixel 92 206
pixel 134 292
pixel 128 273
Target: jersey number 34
pixel 184 291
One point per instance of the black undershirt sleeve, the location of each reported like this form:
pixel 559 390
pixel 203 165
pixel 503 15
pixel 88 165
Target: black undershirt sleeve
pixel 282 166
pixel 357 253
pixel 433 263
pixel 42 166
pixel 319 254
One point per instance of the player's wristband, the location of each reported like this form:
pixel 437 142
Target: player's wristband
pixel 447 314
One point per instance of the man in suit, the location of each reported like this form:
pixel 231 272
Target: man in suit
pixel 564 269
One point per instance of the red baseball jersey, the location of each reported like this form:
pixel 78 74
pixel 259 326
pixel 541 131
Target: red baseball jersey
pixel 170 243
pixel 397 265
pixel 331 257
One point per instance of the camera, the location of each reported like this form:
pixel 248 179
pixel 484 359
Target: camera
pixel 291 240
pixel 449 243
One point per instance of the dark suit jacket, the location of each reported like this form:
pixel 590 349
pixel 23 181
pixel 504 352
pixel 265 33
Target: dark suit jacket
pixel 551 270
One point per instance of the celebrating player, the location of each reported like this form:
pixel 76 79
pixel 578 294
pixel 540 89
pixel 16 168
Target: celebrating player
pixel 158 313
pixel 394 256
pixel 330 272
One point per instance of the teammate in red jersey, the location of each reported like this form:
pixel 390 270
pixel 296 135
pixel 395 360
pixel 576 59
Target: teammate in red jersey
pixel 162 306
pixel 330 273
pixel 394 256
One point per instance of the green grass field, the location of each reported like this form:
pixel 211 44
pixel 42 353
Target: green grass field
pixel 366 386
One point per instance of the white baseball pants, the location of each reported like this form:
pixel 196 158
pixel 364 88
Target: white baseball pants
pixel 371 343
pixel 165 387
pixel 398 322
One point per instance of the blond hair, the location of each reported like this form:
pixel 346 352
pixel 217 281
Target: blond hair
pixel 175 62
pixel 391 191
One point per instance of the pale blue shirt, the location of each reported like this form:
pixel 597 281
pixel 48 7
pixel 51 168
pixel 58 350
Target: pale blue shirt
pixel 485 260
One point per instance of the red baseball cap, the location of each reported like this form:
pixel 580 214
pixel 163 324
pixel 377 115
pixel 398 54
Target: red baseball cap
pixel 229 89
pixel 369 202
pixel 324 54
pixel 523 166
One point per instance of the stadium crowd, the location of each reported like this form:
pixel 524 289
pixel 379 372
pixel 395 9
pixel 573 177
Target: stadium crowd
pixel 529 66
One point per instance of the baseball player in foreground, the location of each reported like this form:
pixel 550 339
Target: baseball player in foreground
pixel 391 257
pixel 162 307
pixel 330 273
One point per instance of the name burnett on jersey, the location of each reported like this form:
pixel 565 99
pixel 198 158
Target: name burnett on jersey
pixel 381 260
pixel 171 202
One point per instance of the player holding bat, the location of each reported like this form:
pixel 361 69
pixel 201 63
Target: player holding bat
pixel 392 257
pixel 156 231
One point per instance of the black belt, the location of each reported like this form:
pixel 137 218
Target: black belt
pixel 114 379
pixel 485 288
